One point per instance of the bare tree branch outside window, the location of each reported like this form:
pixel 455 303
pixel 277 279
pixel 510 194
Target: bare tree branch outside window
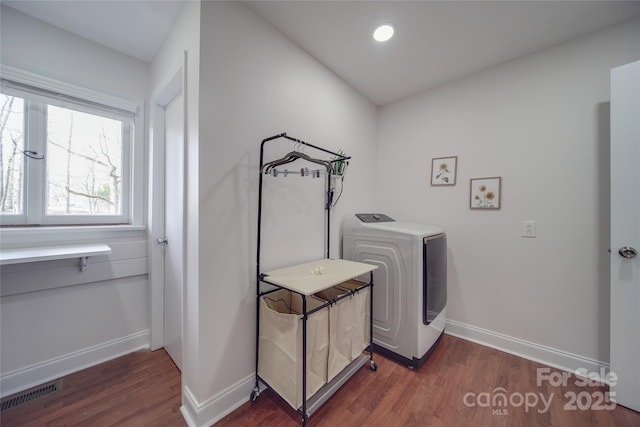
pixel 11 158
pixel 90 181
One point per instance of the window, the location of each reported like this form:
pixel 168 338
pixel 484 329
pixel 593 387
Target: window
pixel 63 160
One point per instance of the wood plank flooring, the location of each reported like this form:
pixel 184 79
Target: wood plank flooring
pixel 460 385
pixel 434 396
pixel 139 389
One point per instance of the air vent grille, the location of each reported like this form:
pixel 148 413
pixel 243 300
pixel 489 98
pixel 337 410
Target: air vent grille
pixel 30 395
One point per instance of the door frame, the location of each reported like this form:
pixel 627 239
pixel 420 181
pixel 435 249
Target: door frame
pixel 156 212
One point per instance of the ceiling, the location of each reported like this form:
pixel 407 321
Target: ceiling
pixel 435 42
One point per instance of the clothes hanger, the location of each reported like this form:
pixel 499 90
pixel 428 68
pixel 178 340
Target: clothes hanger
pixel 287 158
pixel 292 156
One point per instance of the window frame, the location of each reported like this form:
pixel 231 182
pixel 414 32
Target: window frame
pixel 38 89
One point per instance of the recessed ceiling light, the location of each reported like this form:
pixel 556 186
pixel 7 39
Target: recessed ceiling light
pixel 383 33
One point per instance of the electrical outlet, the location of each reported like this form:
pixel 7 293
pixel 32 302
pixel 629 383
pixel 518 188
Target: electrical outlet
pixel 528 229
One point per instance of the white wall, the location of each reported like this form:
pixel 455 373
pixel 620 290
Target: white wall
pixel 48 333
pixel 255 83
pixel 541 123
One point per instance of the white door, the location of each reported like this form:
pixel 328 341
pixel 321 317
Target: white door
pixel 625 234
pixel 174 221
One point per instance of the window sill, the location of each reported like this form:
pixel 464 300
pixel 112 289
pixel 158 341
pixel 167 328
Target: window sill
pixel 14 237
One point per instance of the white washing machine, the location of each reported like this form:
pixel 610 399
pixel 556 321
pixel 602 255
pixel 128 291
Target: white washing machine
pixel 409 286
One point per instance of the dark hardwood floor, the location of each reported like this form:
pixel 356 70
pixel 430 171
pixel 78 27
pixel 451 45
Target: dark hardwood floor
pixel 462 384
pixel 457 386
pixel 139 389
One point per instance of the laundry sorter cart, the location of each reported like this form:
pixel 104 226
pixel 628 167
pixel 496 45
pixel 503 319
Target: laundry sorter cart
pixel 313 319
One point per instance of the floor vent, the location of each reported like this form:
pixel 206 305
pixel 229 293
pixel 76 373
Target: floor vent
pixel 29 395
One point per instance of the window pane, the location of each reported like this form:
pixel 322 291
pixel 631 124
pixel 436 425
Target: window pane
pixel 11 157
pixel 84 163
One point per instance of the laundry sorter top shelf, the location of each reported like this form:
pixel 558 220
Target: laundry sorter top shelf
pixel 315 276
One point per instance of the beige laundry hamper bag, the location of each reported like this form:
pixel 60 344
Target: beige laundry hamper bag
pixel 347 321
pixel 280 353
pixel 360 330
pixel 340 324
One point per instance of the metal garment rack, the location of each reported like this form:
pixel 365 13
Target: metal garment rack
pixel 353 270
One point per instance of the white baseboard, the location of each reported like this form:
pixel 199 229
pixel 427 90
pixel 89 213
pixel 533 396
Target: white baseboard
pixel 535 352
pixel 217 407
pixel 31 376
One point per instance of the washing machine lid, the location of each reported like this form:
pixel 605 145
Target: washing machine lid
pixel 418 230
pixel 374 217
pixel 356 226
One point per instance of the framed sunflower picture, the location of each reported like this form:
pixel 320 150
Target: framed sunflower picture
pixel 485 193
pixel 444 170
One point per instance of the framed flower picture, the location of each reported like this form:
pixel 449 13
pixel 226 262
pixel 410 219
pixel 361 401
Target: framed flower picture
pixel 444 170
pixel 485 193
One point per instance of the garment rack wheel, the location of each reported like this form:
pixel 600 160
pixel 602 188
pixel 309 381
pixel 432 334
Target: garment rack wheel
pixel 255 393
pixel 373 365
